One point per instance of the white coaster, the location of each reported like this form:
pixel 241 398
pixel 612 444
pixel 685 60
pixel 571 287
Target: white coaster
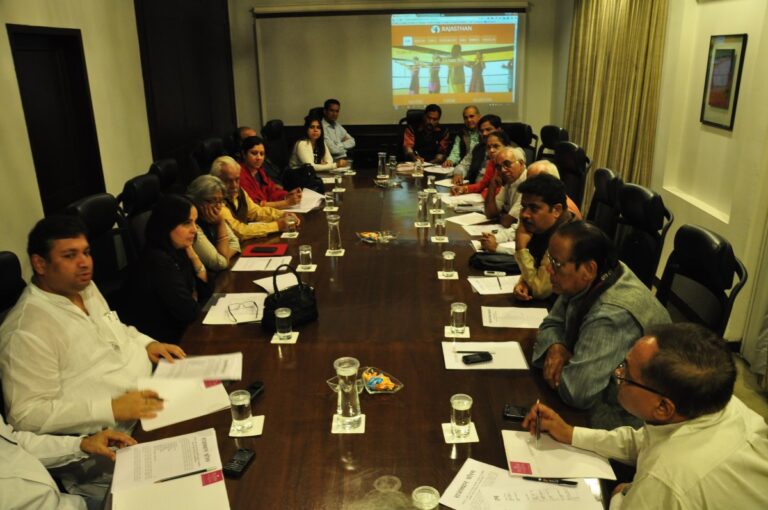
pixel 421 224
pixel 336 427
pixel 339 190
pixel 289 235
pixel 331 209
pixel 340 254
pixel 294 338
pixel 437 212
pixel 256 428
pixel 439 239
pixel 449 276
pixel 350 172
pixel 451 439
pixel 450 334
pixel 306 269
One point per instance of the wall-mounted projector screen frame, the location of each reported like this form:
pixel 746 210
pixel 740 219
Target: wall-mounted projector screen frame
pixel 306 56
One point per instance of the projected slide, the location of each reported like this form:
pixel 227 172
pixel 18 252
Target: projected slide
pixel 454 58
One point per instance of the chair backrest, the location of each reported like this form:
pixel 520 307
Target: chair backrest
pixel 642 227
pixel 139 196
pixel 11 283
pixel 522 134
pixel 698 281
pixel 204 153
pixel 316 112
pixel 572 163
pixel 604 209
pixel 413 118
pixel 275 144
pixel 167 171
pixel 111 244
pixel 550 137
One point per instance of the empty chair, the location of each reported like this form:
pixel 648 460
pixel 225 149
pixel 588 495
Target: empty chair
pixel 167 172
pixel 110 242
pixel 204 153
pixel 604 208
pixel 11 283
pixel 572 163
pixel 275 144
pixel 643 224
pixel 698 283
pixel 550 137
pixel 139 196
pixel 522 134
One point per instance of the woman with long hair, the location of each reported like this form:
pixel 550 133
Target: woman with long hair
pixel 255 181
pixel 311 149
pixel 493 144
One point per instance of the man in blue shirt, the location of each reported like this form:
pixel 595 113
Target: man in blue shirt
pixel 336 137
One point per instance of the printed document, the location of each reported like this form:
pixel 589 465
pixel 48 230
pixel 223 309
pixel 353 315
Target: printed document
pixel 506 355
pixel 512 317
pixel 222 367
pixel 260 263
pixel 447 183
pixel 489 285
pixel 284 281
pixel 472 218
pixel 236 308
pixel 468 199
pixel 183 399
pixel 310 200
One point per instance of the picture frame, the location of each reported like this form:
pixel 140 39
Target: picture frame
pixel 725 61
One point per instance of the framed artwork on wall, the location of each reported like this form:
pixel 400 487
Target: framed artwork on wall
pixel 725 61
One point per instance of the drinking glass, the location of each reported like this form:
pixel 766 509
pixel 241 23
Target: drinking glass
pixel 334 234
pixel 337 181
pixel 305 256
pixel 458 317
pixel 422 211
pixel 348 402
pixel 283 323
pixel 240 401
pixel 381 172
pixel 440 227
pixel 448 257
pixel 461 414
pixel 329 199
pixel 290 224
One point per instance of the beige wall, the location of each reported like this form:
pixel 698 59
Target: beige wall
pixel 112 58
pixel 708 176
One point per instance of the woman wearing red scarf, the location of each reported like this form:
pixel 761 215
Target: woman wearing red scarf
pixel 255 182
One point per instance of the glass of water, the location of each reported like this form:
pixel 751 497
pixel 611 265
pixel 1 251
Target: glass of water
pixel 290 224
pixel 240 401
pixel 458 317
pixel 461 414
pixel 448 257
pixel 440 227
pixel 329 199
pixel 305 256
pixel 337 181
pixel 283 323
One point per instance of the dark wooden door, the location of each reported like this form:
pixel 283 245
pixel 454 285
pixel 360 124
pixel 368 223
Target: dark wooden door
pixel 53 82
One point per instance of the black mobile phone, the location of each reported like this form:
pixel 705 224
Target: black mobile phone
pixel 262 249
pixel 236 466
pixel 514 413
pixel 255 389
pixel 477 357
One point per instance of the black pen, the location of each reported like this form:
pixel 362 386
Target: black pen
pixel 556 481
pixel 184 475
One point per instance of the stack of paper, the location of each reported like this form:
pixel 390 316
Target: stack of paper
pixel 221 367
pixel 512 317
pixel 447 183
pixel 506 355
pixel 490 285
pixel 310 200
pixel 237 308
pixel 478 230
pixel 177 472
pixel 468 199
pixel 260 263
pixel 472 218
pixel 183 399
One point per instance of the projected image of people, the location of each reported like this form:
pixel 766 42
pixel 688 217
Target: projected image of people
pixel 477 84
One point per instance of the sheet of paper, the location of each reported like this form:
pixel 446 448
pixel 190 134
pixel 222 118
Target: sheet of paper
pixel 490 285
pixel 184 399
pixel 478 247
pixel 447 183
pixel 439 170
pixel 551 459
pixel 468 199
pixel 478 230
pixel 310 200
pixel 260 263
pixel 284 281
pixel 512 317
pixel 480 486
pixel 223 367
pixel 236 308
pixel 472 218
pixel 506 355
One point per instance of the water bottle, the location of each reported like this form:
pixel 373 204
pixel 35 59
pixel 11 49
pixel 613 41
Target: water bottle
pixel 348 401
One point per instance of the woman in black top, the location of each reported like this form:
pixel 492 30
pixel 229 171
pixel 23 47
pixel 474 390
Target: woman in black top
pixel 169 281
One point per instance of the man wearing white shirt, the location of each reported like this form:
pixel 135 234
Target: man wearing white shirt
pixel 336 137
pixel 504 203
pixel 700 447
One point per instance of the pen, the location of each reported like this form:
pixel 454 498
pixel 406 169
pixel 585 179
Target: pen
pixel 498 281
pixel 268 262
pixel 474 352
pixel 538 424
pixel 556 481
pixel 184 475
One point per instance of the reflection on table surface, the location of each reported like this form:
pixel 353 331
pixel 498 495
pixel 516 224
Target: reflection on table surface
pixel 383 305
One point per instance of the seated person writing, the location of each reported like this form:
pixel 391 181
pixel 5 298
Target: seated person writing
pixel 428 141
pixel 699 445
pixel 473 164
pixel 311 149
pixel 254 179
pixel 601 310
pixel 246 219
pixel 215 243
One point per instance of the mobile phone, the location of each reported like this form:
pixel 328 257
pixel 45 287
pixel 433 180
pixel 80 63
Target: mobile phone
pixel 236 466
pixel 255 389
pixel 262 249
pixel 494 273
pixel 477 357
pixel 514 413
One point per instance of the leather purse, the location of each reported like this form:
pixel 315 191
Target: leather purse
pixel 494 262
pixel 300 299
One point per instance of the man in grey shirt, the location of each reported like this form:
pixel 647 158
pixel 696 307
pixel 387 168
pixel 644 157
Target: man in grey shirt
pixel 336 137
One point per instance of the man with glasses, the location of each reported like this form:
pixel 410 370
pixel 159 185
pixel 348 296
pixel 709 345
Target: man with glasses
pixel 504 204
pixel 601 310
pixel 699 447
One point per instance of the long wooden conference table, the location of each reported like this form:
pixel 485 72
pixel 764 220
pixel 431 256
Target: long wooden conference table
pixel 383 305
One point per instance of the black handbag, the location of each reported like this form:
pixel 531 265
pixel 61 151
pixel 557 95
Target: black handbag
pixel 494 262
pixel 303 177
pixel 300 299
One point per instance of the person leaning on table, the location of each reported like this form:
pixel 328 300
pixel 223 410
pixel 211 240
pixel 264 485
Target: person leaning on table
pixel 699 447
pixel 215 242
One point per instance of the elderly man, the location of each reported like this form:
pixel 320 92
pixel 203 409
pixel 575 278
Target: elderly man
pixel 601 310
pixel 467 138
pixel 337 139
pixel 246 219
pixel 542 211
pixel 428 141
pixel 699 447
pixel 502 200
pixel 544 166
pixel 472 165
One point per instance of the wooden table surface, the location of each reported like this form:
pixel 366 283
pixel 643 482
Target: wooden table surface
pixel 383 305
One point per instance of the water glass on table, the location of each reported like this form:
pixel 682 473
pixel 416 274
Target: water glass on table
pixel 458 318
pixel 448 257
pixel 305 256
pixel 283 323
pixel 240 401
pixel 461 414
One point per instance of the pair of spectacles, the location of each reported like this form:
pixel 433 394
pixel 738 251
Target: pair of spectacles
pixel 508 164
pixel 214 201
pixel 243 312
pixel 619 376
pixel 556 265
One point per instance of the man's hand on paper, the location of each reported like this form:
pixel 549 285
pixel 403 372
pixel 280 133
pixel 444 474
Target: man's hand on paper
pixel 557 357
pixel 550 422
pixel 157 350
pixel 135 405
pixel 100 443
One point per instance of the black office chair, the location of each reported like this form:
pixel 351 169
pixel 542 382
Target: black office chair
pixel 413 119
pixel 522 134
pixel 698 281
pixel 204 153
pixel 642 227
pixel 11 283
pixel 604 209
pixel 275 144
pixel 167 172
pixel 316 112
pixel 139 196
pixel 572 163
pixel 550 137
pixel 111 244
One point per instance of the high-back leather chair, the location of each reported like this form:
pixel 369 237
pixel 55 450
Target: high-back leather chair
pixel 642 227
pixel 522 134
pixel 572 163
pixel 167 172
pixel 204 153
pixel 139 196
pixel 316 112
pixel 550 137
pixel 701 279
pixel 275 144
pixel 604 208
pixel 11 283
